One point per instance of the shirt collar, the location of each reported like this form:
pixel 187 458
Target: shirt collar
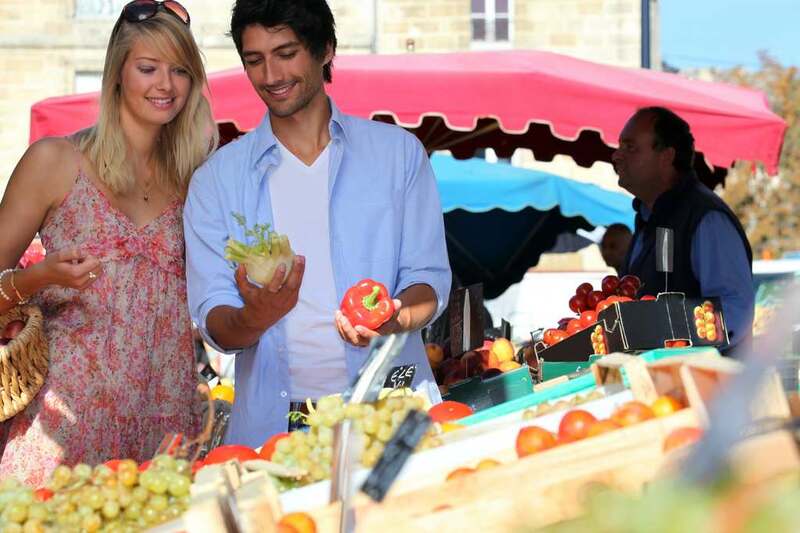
pixel 265 142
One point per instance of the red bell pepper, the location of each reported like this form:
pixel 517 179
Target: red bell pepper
pixel 368 304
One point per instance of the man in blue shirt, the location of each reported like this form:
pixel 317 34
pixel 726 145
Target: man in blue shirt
pixel 357 199
pixel 712 255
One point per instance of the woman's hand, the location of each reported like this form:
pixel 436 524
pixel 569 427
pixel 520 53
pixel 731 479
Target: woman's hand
pixel 69 268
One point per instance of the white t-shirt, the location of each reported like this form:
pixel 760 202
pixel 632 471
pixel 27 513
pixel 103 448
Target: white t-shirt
pixel 300 209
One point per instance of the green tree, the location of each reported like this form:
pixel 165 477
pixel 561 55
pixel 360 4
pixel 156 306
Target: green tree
pixel 767 205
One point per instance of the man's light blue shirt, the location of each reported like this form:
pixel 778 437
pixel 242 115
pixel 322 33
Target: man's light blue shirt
pixel 386 223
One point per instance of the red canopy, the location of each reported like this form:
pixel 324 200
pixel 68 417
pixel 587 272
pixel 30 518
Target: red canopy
pixel 547 102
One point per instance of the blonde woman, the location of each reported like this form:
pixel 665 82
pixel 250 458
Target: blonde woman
pixel 108 204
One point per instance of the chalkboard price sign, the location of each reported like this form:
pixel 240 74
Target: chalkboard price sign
pixel 400 376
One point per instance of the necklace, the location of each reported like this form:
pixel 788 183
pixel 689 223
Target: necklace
pixel 146 191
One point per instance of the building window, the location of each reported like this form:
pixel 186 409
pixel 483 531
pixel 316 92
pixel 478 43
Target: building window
pixel 94 9
pixel 87 81
pixel 491 21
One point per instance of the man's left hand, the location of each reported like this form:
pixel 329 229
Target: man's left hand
pixel 359 335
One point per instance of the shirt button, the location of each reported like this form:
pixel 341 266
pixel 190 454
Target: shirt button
pixel 284 394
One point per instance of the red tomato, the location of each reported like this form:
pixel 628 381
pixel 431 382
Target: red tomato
pixel 558 336
pixel 222 454
pixel 647 298
pixel 113 464
pixel 562 324
pixel 588 318
pixel 632 413
pixel 577 303
pixel 549 336
pixel 623 299
pixel 144 466
pixel 574 326
pixel 448 411
pixel 575 424
pixel 603 305
pixel 602 426
pixel 594 298
pixel 682 437
pixel 533 439
pixel 268 447
pixel 584 289
pixel 609 285
pixel 43 494
pixel 633 280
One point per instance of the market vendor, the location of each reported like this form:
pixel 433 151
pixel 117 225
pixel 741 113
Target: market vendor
pixel 712 256
pixel 356 198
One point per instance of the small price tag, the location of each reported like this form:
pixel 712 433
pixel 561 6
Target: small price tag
pixel 395 454
pixel 400 376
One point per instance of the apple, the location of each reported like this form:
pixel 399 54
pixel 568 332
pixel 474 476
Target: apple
pixel 577 303
pixel 503 350
pixel 627 289
pixel 472 363
pixel 584 289
pixel 488 359
pixel 435 354
pixel 454 375
pixel 594 298
pixel 633 280
pixel 609 285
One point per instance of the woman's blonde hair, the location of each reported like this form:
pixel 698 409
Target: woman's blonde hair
pixel 183 143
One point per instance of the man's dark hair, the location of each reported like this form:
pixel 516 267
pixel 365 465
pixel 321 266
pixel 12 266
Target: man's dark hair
pixel 671 131
pixel 311 20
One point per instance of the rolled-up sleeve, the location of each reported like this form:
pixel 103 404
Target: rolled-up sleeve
pixel 423 250
pixel 209 277
pixel 720 263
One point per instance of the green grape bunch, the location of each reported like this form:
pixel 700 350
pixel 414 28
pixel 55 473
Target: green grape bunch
pixel 85 499
pixel 312 450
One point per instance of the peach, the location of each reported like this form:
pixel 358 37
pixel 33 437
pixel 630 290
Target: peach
pixel 508 366
pixel 489 359
pixel 503 350
pixel 435 354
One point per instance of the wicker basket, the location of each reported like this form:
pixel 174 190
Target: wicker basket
pixel 23 361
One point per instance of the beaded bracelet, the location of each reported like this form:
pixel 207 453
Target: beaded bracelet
pixel 2 292
pixel 20 299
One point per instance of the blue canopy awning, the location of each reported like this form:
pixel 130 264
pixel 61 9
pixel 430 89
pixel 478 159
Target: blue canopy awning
pixel 477 186
pixel 499 219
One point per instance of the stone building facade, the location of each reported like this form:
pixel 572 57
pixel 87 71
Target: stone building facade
pixel 56 47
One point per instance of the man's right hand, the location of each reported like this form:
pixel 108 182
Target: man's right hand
pixel 264 306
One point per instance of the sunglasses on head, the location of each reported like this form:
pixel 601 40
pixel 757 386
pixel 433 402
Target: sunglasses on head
pixel 140 10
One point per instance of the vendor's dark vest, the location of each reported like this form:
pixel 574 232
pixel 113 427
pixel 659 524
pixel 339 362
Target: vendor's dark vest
pixel 681 208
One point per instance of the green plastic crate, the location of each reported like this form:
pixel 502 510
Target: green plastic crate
pixel 485 394
pixel 580 384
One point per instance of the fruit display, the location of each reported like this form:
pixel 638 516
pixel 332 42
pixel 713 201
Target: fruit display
pixel 587 303
pixel 114 496
pixel 492 359
pixel 705 321
pixel 579 424
pixel 551 407
pixel 312 451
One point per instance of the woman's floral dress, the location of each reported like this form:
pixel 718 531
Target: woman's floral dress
pixel 121 369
